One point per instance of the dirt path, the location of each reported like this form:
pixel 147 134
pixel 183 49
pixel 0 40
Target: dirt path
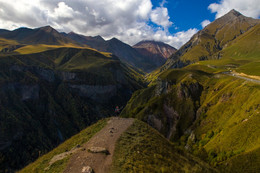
pixel 246 77
pixel 243 76
pixel 106 138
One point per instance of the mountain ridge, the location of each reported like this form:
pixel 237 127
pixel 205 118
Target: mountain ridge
pixel 210 40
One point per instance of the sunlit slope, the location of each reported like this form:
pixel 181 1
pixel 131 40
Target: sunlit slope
pixel 212 115
pixel 207 43
pixel 143 149
pixel 242 55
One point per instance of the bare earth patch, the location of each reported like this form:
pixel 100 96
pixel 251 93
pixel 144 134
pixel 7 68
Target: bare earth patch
pixel 104 140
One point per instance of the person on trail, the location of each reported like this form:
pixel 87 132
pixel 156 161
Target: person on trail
pixel 117 111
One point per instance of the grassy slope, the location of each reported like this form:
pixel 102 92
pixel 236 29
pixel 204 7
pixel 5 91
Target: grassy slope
pixel 143 149
pixel 242 55
pixel 234 39
pixel 41 163
pixel 5 42
pixel 226 127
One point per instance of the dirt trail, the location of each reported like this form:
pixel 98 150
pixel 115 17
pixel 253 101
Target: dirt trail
pixel 254 79
pixel 105 138
pixel 245 77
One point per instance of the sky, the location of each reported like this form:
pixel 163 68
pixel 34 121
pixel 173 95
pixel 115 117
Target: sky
pixel 170 21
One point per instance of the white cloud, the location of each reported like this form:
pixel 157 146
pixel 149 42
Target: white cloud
pixel 250 8
pixel 160 16
pixel 205 23
pixel 125 19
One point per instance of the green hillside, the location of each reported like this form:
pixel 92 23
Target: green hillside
pixel 143 149
pixel 204 111
pixel 208 43
pixel 242 55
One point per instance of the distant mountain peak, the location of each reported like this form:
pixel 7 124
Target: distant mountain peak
pixel 114 39
pixel 231 15
pixel 233 12
pixel 154 48
pixel 71 33
pixel 48 29
pixel 151 42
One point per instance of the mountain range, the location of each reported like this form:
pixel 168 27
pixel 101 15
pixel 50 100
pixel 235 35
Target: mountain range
pixel 195 109
pixel 126 53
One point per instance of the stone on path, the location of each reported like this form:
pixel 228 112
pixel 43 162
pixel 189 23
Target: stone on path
pixel 87 169
pixel 98 150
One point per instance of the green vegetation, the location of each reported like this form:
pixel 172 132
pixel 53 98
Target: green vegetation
pixel 43 162
pixel 242 55
pixel 211 105
pixel 143 149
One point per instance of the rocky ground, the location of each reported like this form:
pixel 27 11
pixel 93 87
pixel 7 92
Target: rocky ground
pixel 96 155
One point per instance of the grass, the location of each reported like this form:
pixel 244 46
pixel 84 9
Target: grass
pixel 41 163
pixel 226 111
pixel 252 68
pixel 30 49
pixel 143 149
pixel 242 55
pixel 245 162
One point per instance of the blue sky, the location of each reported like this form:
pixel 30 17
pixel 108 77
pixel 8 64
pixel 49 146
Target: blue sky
pixel 187 14
pixel 170 21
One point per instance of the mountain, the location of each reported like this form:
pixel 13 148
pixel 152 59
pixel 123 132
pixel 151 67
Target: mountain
pixel 131 55
pixel 49 96
pixel 159 52
pixel 209 108
pixel 155 48
pixel 96 42
pixel 132 146
pixel 203 103
pixel 42 35
pixel 49 36
pixel 213 38
pixel 204 112
pixel 125 52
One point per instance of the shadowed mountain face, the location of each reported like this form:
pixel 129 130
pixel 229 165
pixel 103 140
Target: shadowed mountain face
pixel 146 56
pixel 214 37
pixel 49 96
pixel 127 54
pixel 96 42
pixel 43 35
